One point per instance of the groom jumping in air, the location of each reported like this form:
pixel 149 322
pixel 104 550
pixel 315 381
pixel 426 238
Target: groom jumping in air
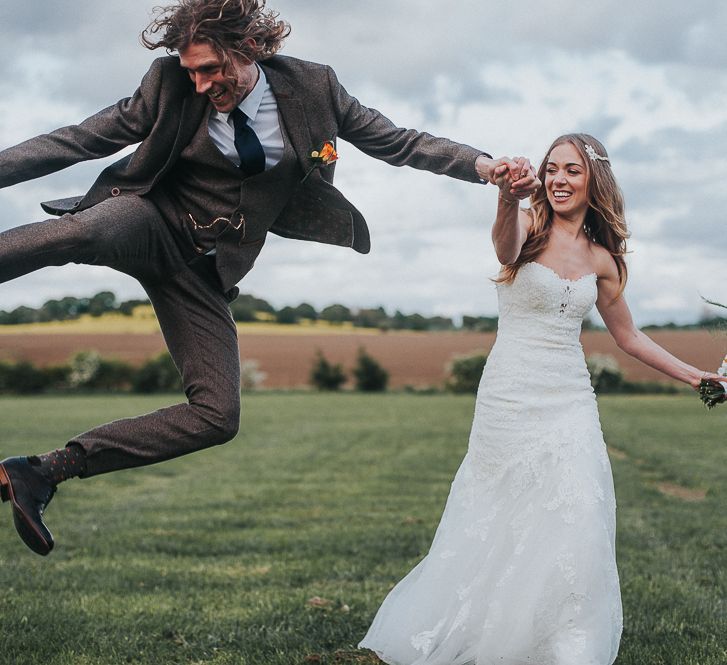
pixel 225 129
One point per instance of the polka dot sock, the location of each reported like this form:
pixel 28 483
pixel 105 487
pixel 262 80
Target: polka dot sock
pixel 62 464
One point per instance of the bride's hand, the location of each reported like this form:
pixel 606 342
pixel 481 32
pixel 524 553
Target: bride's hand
pixel 501 177
pixel 525 181
pixel 707 376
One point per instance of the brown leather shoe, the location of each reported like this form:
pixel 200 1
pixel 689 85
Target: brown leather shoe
pixel 29 493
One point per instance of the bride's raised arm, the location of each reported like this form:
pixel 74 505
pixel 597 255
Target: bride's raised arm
pixel 512 224
pixel 617 317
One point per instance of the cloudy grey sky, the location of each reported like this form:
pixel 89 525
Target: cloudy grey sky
pixel 648 78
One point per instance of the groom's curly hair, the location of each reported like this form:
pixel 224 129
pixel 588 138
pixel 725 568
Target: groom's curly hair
pixel 242 27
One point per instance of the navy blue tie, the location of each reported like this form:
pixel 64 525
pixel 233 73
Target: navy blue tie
pixel 247 144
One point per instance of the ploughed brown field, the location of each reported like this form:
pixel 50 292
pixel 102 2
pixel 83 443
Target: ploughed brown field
pixel 412 359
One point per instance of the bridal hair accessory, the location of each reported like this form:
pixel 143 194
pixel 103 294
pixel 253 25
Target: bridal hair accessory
pixel 323 156
pixel 593 155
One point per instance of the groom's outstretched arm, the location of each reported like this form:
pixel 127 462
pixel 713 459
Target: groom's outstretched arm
pixel 105 133
pixel 374 134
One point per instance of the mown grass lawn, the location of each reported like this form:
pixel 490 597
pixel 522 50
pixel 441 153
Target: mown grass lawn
pixel 277 548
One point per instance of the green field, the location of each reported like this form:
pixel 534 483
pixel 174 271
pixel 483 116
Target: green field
pixel 216 557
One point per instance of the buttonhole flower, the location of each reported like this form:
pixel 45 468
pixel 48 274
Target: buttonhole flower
pixel 323 156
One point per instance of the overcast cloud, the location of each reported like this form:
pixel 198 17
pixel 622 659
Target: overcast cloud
pixel 649 79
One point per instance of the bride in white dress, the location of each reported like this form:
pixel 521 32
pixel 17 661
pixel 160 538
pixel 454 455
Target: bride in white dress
pixel 522 569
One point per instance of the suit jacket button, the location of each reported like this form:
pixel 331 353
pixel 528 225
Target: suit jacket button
pixel 115 191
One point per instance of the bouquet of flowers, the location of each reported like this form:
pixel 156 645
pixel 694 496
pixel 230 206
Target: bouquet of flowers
pixel 713 392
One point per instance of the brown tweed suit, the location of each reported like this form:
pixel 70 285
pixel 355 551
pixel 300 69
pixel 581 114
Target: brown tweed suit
pixel 126 221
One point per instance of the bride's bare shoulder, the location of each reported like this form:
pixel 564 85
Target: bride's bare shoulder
pixel 603 262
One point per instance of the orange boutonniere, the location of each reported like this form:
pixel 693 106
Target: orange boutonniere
pixel 323 156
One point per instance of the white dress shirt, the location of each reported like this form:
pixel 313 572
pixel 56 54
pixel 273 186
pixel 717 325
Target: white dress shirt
pixel 262 110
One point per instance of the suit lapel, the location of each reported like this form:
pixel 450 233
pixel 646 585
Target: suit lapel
pixel 292 114
pixel 191 116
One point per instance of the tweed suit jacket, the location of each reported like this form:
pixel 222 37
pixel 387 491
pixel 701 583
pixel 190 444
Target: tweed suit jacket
pixel 165 111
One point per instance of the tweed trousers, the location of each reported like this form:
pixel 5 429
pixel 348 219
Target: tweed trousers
pixel 128 234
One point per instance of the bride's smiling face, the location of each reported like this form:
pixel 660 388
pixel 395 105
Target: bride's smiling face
pixel 566 180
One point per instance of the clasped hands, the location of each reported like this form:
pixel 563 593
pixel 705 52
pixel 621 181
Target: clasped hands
pixel 514 176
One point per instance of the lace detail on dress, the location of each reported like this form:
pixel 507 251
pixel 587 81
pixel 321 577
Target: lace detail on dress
pixel 565 299
pixel 522 568
pixel 423 641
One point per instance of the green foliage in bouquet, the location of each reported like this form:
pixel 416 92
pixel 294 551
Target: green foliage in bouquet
pixel 712 393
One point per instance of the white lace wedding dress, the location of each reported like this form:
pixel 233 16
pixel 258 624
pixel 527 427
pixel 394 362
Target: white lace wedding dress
pixel 522 569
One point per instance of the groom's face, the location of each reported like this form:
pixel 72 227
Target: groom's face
pixel 225 86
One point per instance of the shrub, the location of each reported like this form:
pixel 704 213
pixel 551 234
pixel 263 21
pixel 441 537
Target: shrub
pixel 370 376
pixel 464 373
pixel 56 376
pixel 606 376
pixel 127 307
pixel 325 376
pixel 157 375
pixel 479 323
pixel 102 302
pixel 84 367
pixel 335 314
pixel 251 378
pixel 89 371
pixel 287 315
pixel 23 377
pixel 246 307
pixel 371 318
pixel 242 312
pixel 306 311
pixel 19 315
pixel 113 375
pixel 652 388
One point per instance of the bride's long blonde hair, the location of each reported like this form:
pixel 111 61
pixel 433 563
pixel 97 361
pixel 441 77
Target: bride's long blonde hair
pixel 604 224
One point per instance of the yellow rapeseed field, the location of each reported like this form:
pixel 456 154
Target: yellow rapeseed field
pixel 143 322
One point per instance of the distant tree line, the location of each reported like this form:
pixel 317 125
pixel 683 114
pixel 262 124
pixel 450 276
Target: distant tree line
pixel 69 308
pixel 248 308
pixel 704 323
